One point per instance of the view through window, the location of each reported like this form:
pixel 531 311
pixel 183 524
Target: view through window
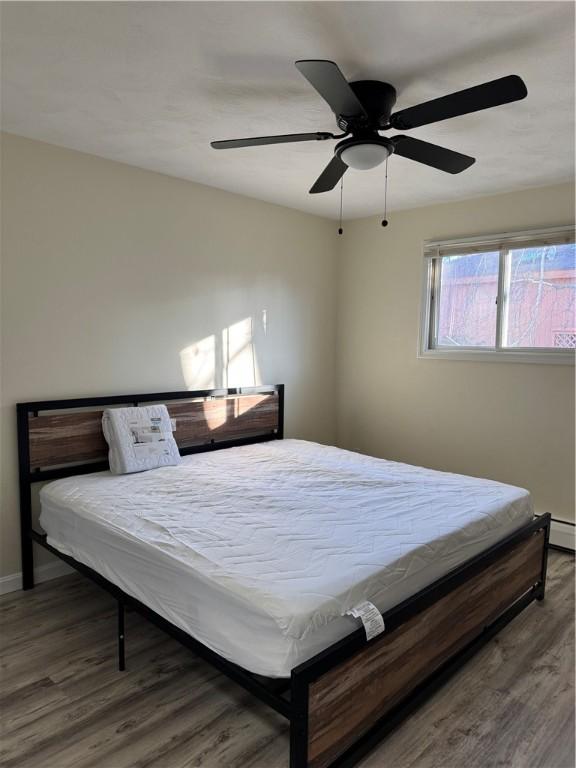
pixel 504 298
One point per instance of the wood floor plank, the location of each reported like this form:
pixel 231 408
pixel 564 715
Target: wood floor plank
pixel 54 605
pixel 96 720
pixel 65 705
pixel 23 707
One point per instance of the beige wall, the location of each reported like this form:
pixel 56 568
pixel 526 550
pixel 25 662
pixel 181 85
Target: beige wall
pixel 115 279
pixel 119 280
pixel 508 421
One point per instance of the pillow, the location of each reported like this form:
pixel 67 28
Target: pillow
pixel 139 439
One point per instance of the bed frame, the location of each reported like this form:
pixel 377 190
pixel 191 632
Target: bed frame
pixel 342 701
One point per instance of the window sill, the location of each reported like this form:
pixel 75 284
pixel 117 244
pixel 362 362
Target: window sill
pixel 564 357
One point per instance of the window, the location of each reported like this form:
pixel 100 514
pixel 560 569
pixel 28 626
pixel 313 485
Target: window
pixel 501 297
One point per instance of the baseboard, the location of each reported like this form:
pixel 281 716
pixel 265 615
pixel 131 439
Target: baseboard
pixel 13 582
pixel 563 535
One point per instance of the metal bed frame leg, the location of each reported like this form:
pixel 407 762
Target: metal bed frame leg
pixel 27 551
pixel 541 590
pixel 26 544
pixel 299 722
pixel 121 650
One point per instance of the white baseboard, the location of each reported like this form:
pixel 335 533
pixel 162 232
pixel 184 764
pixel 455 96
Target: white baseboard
pixel 563 534
pixel 45 572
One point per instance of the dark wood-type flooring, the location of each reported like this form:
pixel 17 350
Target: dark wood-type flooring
pixel 65 705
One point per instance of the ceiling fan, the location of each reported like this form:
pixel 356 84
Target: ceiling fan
pixel 363 108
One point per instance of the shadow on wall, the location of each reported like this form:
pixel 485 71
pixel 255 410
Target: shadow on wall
pixel 224 359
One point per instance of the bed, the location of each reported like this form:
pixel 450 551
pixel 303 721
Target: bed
pixel 255 549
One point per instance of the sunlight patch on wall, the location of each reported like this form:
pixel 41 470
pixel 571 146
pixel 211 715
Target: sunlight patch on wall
pixel 198 363
pixel 226 359
pixel 240 363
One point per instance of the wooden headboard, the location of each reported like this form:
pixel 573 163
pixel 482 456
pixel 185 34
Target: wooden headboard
pixel 58 438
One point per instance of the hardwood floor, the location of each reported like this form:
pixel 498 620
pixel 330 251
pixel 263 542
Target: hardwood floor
pixel 65 704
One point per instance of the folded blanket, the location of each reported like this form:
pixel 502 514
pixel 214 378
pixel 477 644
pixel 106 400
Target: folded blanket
pixel 139 439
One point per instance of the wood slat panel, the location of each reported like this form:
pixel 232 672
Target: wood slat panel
pixel 64 438
pixel 224 418
pixel 346 701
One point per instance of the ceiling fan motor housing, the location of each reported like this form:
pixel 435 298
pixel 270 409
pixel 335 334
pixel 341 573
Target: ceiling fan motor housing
pixel 377 98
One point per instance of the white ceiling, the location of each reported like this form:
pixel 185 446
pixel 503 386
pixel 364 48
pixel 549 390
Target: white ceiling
pixel 151 83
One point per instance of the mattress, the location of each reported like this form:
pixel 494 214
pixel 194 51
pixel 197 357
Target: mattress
pixel 259 551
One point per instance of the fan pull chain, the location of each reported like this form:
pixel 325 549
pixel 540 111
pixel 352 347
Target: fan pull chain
pixel 340 230
pixel 385 220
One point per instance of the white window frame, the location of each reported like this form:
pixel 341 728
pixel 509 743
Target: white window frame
pixel 503 242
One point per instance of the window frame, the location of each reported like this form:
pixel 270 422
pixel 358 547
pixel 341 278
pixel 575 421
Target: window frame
pixel 503 242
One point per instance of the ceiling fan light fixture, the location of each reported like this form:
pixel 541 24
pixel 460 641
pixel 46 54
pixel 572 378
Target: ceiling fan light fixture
pixel 365 155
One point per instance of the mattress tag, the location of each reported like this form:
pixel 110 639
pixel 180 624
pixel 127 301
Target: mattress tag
pixel 145 450
pixel 371 618
pixel 151 434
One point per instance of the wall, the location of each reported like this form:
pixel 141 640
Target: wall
pixel 508 421
pixel 119 280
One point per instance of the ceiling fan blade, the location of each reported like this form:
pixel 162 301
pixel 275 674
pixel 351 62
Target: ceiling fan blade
pixel 330 176
pixel 492 94
pixel 328 80
pixel 431 154
pixel 262 140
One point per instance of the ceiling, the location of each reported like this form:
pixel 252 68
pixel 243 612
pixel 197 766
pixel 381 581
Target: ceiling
pixel 151 83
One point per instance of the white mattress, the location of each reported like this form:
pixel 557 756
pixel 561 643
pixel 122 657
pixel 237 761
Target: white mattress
pixel 258 551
